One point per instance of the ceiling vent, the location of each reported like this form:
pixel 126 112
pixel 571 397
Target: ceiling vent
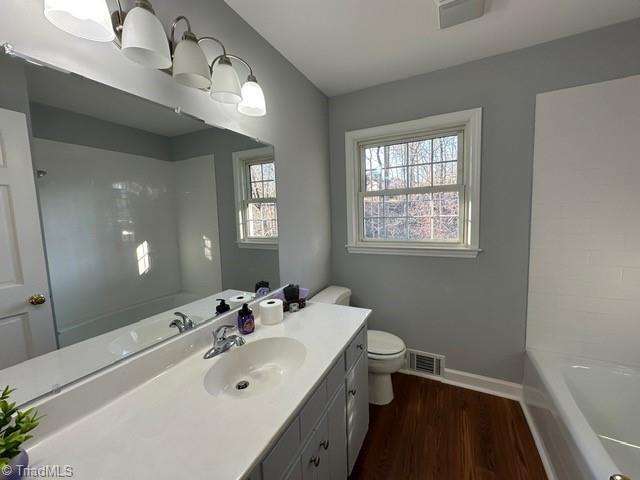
pixel 453 12
pixel 425 363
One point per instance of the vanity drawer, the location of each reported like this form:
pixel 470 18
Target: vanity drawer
pixel 279 458
pixel 335 377
pixel 357 346
pixel 313 410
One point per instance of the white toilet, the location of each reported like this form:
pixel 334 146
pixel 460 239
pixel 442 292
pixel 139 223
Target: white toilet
pixel 386 352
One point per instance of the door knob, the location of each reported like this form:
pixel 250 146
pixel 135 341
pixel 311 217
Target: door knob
pixel 37 299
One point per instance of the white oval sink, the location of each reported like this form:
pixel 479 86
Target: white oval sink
pixel 257 366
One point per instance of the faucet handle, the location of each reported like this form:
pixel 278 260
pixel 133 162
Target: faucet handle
pixel 223 329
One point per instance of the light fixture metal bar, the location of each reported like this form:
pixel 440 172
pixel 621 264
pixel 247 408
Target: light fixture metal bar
pixel 214 39
pixel 188 33
pixel 251 77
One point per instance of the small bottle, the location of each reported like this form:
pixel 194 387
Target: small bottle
pixel 246 323
pixel 222 307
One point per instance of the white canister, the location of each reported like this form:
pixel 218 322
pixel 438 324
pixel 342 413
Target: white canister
pixel 271 311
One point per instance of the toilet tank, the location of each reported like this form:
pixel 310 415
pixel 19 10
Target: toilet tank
pixel 333 294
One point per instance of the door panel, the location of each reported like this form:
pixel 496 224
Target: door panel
pixel 14 340
pixel 10 271
pixel 26 330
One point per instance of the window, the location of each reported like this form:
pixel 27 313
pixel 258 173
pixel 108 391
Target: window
pixel 414 187
pixel 256 204
pixel 144 258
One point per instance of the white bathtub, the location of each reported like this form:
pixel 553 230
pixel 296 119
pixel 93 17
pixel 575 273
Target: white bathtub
pixel 587 414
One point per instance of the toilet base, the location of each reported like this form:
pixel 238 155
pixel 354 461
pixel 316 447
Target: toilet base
pixel 380 389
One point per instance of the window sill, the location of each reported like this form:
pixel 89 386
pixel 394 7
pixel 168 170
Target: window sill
pixel 454 252
pixel 259 245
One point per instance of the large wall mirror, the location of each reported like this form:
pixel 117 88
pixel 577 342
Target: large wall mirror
pixel 144 212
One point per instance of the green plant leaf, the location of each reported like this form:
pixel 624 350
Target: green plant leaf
pixel 14 426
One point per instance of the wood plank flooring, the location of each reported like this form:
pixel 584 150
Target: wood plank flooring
pixel 441 432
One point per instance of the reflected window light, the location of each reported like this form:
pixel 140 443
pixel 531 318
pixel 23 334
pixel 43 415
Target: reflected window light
pixel 208 250
pixel 128 236
pixel 144 259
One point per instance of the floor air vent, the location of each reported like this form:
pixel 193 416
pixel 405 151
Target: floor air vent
pixel 425 363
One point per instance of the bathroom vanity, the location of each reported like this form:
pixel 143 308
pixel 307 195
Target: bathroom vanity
pixel 292 403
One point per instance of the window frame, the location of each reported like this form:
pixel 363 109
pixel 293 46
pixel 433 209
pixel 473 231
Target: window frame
pixel 469 123
pixel 242 161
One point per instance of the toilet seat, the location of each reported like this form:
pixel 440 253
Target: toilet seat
pixel 384 345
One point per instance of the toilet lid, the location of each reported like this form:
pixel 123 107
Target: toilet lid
pixel 384 343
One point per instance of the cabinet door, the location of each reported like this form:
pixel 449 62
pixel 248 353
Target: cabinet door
pixel 295 473
pixel 357 408
pixel 337 447
pixel 314 458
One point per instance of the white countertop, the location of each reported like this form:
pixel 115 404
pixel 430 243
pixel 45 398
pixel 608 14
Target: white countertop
pixel 170 427
pixel 45 373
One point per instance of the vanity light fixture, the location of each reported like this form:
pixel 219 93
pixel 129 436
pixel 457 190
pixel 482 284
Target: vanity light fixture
pixel 89 19
pixel 142 39
pixel 225 84
pixel 253 103
pixel 190 65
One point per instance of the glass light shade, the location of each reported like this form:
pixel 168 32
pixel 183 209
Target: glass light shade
pixel 89 19
pixel 190 66
pixel 225 84
pixel 253 103
pixel 144 40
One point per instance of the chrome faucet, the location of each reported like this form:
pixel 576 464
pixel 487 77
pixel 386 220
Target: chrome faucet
pixel 183 324
pixel 222 342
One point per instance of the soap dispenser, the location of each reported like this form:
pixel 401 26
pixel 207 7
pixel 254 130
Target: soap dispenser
pixel 246 323
pixel 222 307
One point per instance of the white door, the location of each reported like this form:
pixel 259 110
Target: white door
pixel 26 330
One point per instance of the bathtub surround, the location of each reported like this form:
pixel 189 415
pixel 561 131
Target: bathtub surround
pixel 584 278
pixel 297 122
pixel 471 310
pixel 240 267
pixel 90 236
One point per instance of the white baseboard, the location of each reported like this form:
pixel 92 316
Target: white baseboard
pixel 471 381
pixel 537 438
pixel 492 386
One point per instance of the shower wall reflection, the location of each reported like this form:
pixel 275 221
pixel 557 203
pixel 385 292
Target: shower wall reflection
pixel 137 210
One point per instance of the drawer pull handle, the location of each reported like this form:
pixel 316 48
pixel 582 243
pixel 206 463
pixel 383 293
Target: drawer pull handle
pixel 360 346
pixel 325 444
pixel 353 392
pixel 315 461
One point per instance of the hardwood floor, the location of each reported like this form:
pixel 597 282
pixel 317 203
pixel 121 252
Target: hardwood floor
pixel 441 432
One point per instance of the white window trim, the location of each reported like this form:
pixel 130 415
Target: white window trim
pixel 471 122
pixel 240 191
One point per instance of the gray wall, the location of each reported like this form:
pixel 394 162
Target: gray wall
pixel 65 126
pixel 473 311
pixel 13 94
pixel 241 267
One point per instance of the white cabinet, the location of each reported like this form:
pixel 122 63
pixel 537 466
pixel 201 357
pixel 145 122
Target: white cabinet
pixel 321 443
pixel 295 473
pixel 314 458
pixel 337 423
pixel 357 408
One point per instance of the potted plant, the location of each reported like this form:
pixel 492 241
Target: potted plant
pixel 15 426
